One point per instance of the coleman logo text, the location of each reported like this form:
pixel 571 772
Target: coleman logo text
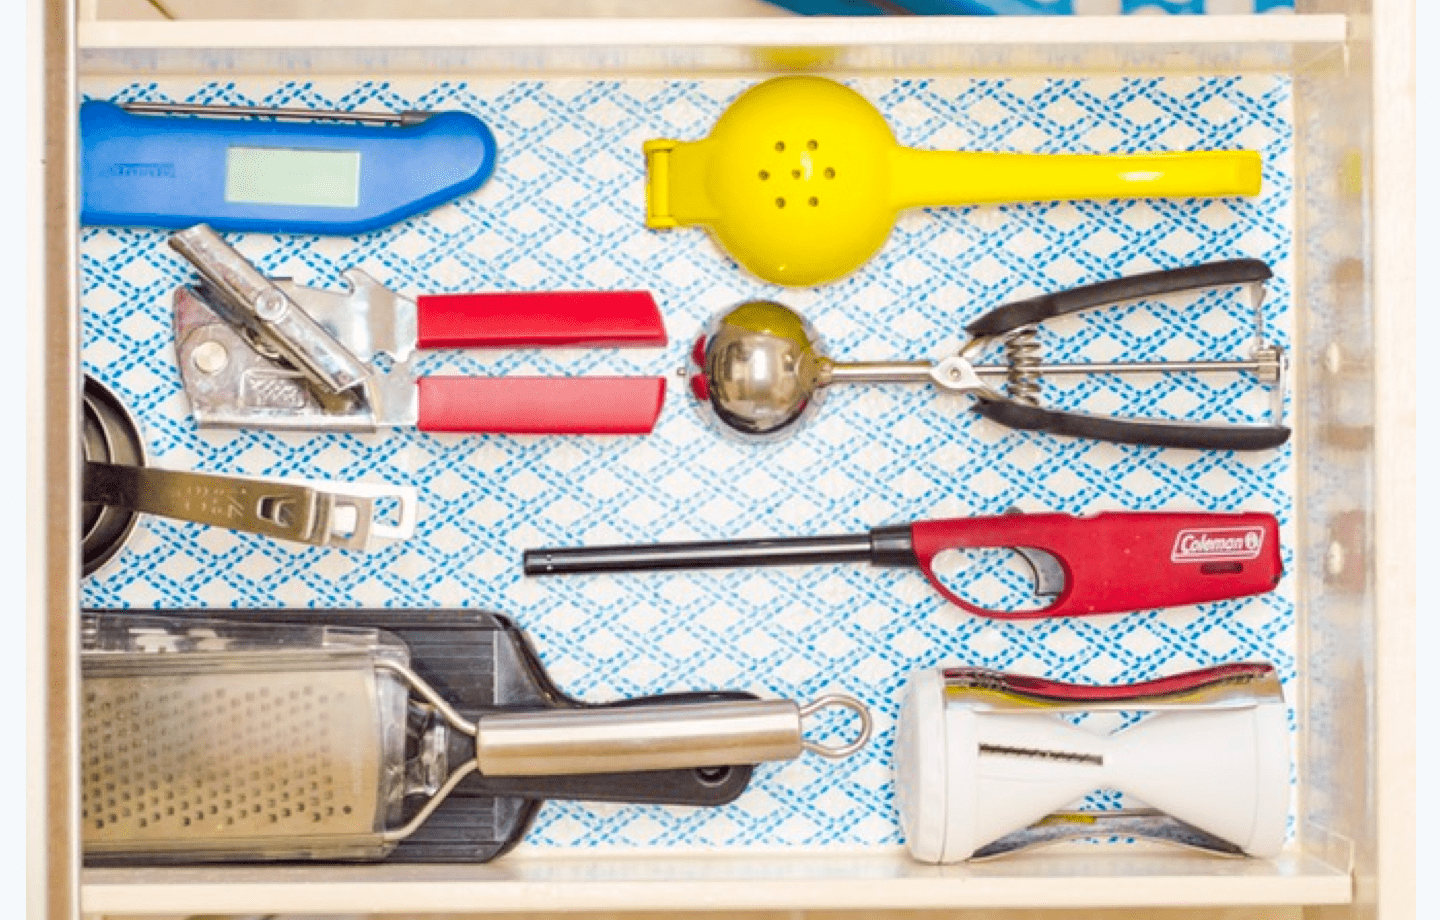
pixel 1226 544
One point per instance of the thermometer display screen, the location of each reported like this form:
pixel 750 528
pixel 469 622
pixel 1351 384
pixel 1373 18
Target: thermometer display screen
pixel 290 176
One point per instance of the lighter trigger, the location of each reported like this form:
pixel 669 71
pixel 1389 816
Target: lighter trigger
pixel 1049 573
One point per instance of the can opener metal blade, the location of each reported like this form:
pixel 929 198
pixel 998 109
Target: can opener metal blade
pixel 266 352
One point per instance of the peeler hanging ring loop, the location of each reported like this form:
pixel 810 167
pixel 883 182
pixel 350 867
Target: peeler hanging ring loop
pixel 842 701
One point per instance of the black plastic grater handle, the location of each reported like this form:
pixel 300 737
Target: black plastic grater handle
pixel 1018 313
pixel 1132 431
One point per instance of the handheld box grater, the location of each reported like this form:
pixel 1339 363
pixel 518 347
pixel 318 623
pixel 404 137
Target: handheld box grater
pixel 419 736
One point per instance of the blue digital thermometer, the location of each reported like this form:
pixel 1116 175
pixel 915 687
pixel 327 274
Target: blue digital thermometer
pixel 302 172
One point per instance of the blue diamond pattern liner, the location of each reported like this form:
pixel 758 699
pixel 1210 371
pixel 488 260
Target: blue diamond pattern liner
pixel 565 210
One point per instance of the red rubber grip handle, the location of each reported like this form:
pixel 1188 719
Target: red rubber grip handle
pixel 541 405
pixel 1121 561
pixel 540 320
pixel 1153 690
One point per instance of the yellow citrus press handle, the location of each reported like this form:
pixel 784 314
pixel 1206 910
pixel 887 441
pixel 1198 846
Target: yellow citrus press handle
pixel 922 178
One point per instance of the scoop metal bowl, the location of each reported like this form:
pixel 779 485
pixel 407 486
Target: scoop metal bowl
pixel 761 371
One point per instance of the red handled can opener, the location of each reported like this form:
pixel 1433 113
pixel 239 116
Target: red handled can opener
pixel 1111 562
pixel 261 352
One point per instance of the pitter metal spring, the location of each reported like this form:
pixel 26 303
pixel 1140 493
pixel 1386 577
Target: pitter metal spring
pixel 1023 363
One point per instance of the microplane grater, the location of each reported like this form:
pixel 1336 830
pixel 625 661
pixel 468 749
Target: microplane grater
pixel 300 742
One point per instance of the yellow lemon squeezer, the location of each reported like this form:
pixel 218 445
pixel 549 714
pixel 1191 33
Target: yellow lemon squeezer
pixel 801 179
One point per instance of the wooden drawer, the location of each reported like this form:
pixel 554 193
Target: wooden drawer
pixel 1353 682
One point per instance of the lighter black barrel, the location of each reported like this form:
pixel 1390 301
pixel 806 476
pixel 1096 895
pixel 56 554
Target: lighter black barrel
pixel 882 546
pixel 702 555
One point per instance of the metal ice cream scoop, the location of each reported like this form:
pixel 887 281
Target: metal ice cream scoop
pixel 761 371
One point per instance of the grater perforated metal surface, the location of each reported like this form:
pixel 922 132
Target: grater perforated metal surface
pixel 286 754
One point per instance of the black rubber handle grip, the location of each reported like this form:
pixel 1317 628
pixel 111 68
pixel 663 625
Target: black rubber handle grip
pixel 1132 431
pixel 1011 316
